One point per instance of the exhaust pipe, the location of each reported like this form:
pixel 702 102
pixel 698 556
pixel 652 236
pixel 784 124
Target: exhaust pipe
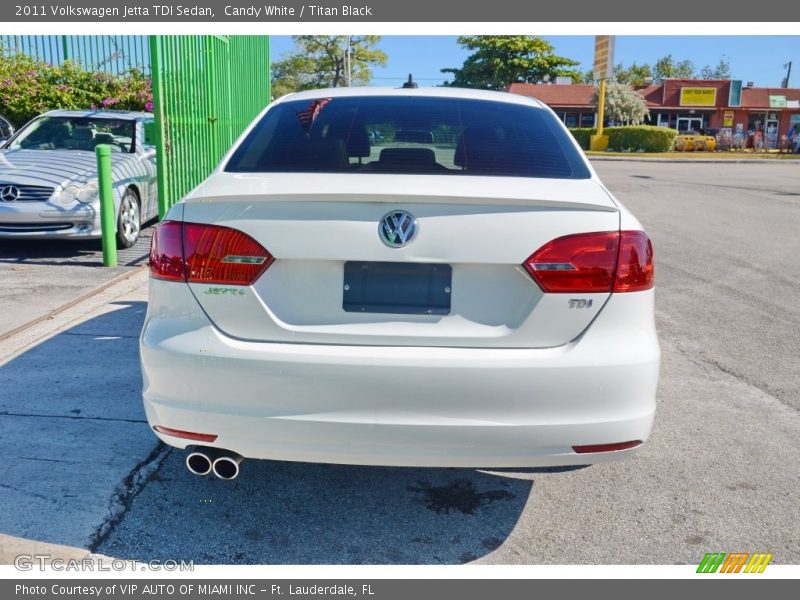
pixel 200 462
pixel 226 466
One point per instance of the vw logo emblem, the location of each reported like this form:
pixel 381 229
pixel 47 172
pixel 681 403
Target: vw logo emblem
pixel 9 193
pixel 397 228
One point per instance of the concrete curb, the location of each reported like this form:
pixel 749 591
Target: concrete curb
pixel 14 342
pixel 71 303
pixel 11 547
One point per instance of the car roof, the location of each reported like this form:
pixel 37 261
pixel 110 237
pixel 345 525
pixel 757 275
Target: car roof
pixel 107 114
pixel 430 92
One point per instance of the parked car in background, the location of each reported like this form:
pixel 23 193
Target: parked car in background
pixel 48 176
pixel 6 129
pixel 462 291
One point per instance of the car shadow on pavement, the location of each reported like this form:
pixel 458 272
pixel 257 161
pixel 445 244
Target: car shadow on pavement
pixel 82 468
pixel 297 513
pixel 73 428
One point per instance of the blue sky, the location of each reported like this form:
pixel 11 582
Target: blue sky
pixel 753 58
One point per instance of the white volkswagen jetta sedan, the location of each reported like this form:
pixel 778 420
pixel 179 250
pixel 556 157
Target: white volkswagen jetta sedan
pixel 421 277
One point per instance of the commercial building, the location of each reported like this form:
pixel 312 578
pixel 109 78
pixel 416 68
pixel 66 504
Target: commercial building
pixel 756 115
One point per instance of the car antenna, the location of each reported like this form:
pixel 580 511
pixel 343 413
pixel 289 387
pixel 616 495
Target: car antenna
pixel 410 84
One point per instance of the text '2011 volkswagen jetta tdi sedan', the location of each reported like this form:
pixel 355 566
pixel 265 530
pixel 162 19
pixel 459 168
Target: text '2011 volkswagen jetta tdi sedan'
pixel 420 277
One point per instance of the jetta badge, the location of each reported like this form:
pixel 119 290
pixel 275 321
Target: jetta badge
pixel 9 193
pixel 397 228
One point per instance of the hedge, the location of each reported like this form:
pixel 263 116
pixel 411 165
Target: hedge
pixel 641 138
pixel 29 87
pixel 582 135
pixel 631 138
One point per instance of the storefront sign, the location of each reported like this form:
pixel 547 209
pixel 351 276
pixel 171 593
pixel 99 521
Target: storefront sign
pixel 698 96
pixel 777 101
pixel 727 118
pixel 603 57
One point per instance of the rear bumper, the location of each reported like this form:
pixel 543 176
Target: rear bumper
pixel 402 405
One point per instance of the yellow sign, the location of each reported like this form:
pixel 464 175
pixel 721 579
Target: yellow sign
pixel 727 118
pixel 698 96
pixel 603 57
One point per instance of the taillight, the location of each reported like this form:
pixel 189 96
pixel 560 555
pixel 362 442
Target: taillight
pixel 594 262
pixel 635 262
pixel 166 254
pixel 206 254
pixel 576 263
pixel 216 254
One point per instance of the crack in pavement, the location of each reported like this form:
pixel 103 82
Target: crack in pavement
pixel 74 417
pixel 28 493
pixel 702 360
pixel 126 491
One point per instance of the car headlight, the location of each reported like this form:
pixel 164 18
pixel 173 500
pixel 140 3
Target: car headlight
pixel 85 193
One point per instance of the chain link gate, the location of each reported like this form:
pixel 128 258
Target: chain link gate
pixel 206 90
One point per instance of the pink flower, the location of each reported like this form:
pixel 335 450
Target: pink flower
pixel 148 106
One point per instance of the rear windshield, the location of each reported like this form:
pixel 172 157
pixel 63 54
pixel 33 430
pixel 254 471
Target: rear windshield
pixel 409 135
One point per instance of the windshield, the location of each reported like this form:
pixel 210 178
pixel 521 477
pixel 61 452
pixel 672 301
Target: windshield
pixel 410 135
pixel 77 133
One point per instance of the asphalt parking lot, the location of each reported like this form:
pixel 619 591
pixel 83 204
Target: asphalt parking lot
pixel 719 473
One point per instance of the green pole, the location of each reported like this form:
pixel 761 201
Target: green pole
pixel 156 71
pixel 107 211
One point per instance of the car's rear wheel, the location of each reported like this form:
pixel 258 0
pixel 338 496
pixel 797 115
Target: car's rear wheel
pixel 129 221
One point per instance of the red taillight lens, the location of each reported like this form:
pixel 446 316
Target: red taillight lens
pixel 590 449
pixel 187 435
pixel 635 264
pixel 594 262
pixel 206 254
pixel 576 263
pixel 166 255
pixel 222 255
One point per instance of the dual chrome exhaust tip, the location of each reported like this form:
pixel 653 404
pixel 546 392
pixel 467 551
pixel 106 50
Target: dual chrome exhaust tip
pixel 224 464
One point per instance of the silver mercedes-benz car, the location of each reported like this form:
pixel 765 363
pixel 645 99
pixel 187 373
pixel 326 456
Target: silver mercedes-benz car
pixel 48 175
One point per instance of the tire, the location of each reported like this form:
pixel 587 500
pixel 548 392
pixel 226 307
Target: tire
pixel 129 220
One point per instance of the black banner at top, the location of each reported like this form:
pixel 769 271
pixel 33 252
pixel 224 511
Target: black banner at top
pixel 362 11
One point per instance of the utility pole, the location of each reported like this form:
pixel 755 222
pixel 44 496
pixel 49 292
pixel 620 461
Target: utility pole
pixel 603 69
pixel 788 67
pixel 348 62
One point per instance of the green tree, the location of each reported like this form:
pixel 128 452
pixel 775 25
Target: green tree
pixel 721 71
pixel 633 75
pixel 623 104
pixel 498 60
pixel 667 67
pixel 319 61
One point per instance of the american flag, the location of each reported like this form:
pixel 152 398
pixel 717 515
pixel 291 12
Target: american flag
pixel 309 115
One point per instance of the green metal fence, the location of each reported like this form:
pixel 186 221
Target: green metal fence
pixel 206 90
pixel 108 53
